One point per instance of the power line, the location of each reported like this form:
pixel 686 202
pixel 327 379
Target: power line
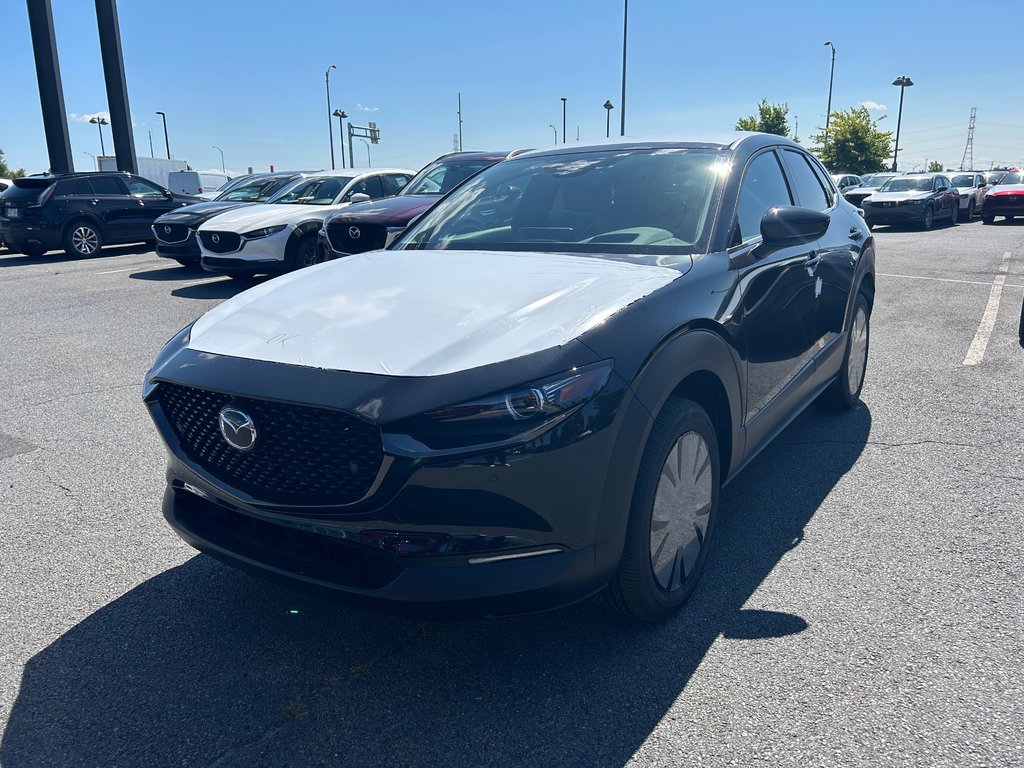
pixel 969 149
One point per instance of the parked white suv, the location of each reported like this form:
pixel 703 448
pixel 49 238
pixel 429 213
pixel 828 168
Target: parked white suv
pixel 198 183
pixel 971 186
pixel 282 233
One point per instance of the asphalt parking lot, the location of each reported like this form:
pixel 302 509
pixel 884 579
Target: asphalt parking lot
pixel 862 605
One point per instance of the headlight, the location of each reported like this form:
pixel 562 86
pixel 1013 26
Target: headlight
pixel 539 400
pixel 256 234
pixel 179 340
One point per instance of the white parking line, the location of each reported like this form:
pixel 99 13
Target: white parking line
pixel 948 280
pixel 976 352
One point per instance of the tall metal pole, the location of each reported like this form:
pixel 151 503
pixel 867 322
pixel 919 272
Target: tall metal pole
pixel 150 142
pixel 563 119
pixel 340 114
pixel 351 152
pixel 460 121
pixel 608 118
pixel 330 123
pixel 368 163
pixel 903 82
pixel 222 168
pixel 99 125
pixel 51 92
pixel 622 105
pixel 167 142
pixel 117 86
pixel 828 113
pixel 556 133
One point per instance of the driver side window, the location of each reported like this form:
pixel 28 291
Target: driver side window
pixel 763 187
pixel 142 188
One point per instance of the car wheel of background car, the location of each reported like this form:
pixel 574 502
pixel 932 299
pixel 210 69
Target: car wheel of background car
pixel 671 517
pixel 929 218
pixel 1010 216
pixel 987 219
pixel 303 252
pixel 954 214
pixel 844 392
pixel 970 210
pixel 82 238
pixel 188 262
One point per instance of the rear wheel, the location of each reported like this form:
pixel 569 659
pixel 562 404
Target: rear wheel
pixel 82 238
pixel 671 517
pixel 844 392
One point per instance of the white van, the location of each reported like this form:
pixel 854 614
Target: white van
pixel 196 182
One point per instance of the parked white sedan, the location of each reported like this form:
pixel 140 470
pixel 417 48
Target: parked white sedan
pixel 280 235
pixel 971 188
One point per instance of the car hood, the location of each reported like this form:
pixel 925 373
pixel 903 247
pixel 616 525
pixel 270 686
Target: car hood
pixel 268 215
pixel 1006 189
pixel 424 313
pixel 198 212
pixel 896 197
pixel 392 211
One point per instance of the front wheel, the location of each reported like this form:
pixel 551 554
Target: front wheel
pixel 844 392
pixel 929 218
pixel 970 210
pixel 954 214
pixel 988 219
pixel 671 517
pixel 304 253
pixel 82 238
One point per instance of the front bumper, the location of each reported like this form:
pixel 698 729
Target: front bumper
pixel 900 214
pixel 260 254
pixel 186 250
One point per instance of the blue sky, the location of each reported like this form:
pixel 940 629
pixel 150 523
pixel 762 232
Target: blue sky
pixel 248 75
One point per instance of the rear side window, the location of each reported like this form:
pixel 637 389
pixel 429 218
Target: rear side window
pixel 763 187
pixel 393 183
pixel 106 185
pixel 76 187
pixel 808 188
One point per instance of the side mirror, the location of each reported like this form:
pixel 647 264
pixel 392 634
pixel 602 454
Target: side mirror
pixel 168 195
pixel 359 197
pixel 788 225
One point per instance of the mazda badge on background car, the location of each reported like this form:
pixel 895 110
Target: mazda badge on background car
pixel 367 226
pixel 499 419
pixel 282 234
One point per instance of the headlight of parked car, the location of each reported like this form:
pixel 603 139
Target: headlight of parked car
pixel 256 234
pixel 179 340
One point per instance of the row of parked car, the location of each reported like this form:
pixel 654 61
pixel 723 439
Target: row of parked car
pixel 923 198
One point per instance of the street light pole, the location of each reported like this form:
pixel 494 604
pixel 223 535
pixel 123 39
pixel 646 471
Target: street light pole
pixel 330 124
pixel 340 114
pixel 832 72
pixel 167 143
pixel 94 160
pixel 368 163
pixel 150 142
pixel 903 82
pixel 608 106
pixel 99 122
pixel 556 133
pixel 622 103
pixel 222 168
pixel 563 119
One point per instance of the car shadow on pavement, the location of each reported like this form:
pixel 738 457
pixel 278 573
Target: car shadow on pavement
pixel 216 289
pixel 175 272
pixel 203 664
pixel 9 259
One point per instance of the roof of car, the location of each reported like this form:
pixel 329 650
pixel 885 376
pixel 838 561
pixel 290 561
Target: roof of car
pixel 721 140
pixel 354 172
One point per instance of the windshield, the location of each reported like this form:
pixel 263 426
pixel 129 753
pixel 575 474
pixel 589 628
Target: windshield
pixel 1013 177
pixel 875 180
pixel 255 190
pixel 319 190
pixel 993 177
pixel 963 180
pixel 609 204
pixel 908 184
pixel 442 176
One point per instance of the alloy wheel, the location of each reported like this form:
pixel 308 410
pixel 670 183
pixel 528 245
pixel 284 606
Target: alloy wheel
pixel 858 360
pixel 84 240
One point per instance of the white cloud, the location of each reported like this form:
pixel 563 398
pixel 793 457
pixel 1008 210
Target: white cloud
pixel 75 117
pixel 872 105
pixel 361 108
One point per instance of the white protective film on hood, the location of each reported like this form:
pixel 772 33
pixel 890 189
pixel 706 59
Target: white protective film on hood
pixel 424 313
pixel 250 217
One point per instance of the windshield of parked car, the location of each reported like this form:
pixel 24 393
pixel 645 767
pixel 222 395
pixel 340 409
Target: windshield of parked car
pixel 963 180
pixel 255 191
pixel 993 177
pixel 442 176
pixel 875 180
pixel 618 204
pixel 1013 177
pixel 908 184
pixel 319 190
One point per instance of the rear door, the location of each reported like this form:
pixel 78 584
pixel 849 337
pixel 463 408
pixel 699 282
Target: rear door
pixel 149 203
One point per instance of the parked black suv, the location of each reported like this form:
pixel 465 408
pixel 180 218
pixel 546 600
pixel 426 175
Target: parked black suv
pixel 175 232
pixel 375 224
pixel 82 212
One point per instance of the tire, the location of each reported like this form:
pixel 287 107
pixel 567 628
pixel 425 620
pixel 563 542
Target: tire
pixel 304 253
pixel 667 540
pixel 970 210
pixel 844 392
pixel 188 262
pixel 988 219
pixel 1010 216
pixel 82 239
pixel 954 214
pixel 929 218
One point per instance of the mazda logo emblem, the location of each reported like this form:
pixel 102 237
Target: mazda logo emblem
pixel 238 429
pixel 353 232
pixel 167 230
pixel 215 238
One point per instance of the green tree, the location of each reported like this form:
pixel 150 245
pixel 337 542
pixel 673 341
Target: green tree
pixel 935 167
pixel 855 143
pixel 770 118
pixel 6 172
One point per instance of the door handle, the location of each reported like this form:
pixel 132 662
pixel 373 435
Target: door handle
pixel 855 234
pixel 812 259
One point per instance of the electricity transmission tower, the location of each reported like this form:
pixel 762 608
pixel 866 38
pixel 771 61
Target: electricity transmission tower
pixel 967 161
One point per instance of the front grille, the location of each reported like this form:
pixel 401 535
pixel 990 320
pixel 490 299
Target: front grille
pixel 367 237
pixel 288 548
pixel 171 233
pixel 221 242
pixel 302 455
pixel 1008 200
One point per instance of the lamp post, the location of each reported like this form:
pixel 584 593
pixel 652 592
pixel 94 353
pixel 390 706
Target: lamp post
pixel 563 119
pixel 94 161
pixel 903 82
pixel 368 163
pixel 340 114
pixel 166 142
pixel 99 122
pixel 556 133
pixel 608 107
pixel 831 76
pixel 622 103
pixel 330 124
pixel 150 142
pixel 223 170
